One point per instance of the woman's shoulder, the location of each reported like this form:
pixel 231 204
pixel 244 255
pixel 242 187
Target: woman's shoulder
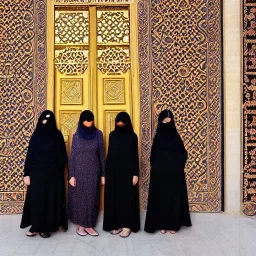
pixel 100 132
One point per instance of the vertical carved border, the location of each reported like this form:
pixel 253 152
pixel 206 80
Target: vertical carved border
pixel 249 107
pixel 40 53
pixel 145 94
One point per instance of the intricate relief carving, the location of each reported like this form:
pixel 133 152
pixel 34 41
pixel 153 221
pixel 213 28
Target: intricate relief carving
pixel 71 91
pixel 113 26
pixel 114 91
pixel 113 60
pixel 249 107
pixel 71 61
pixel 71 27
pixel 94 1
pixel 69 121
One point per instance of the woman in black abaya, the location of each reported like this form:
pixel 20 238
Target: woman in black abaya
pixel 121 207
pixel 167 200
pixel 44 208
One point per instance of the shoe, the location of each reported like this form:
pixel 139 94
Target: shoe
pixel 45 234
pixel 91 234
pixel 81 233
pixel 31 234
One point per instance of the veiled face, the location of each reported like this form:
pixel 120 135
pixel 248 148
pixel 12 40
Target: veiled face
pixel 88 123
pixel 167 120
pixel 120 124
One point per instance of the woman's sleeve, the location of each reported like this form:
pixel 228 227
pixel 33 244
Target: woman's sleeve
pixel 71 169
pixel 135 152
pixel 101 154
pixel 27 166
pixel 64 155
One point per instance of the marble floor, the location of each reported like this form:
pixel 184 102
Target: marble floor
pixel 212 234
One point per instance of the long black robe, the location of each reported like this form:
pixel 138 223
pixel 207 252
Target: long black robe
pixel 168 207
pixel 44 207
pixel 121 204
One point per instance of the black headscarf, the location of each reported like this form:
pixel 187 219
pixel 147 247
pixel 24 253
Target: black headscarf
pixel 87 133
pixel 125 119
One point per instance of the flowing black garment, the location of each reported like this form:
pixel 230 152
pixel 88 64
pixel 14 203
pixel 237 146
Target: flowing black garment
pixel 44 207
pixel 121 201
pixel 168 207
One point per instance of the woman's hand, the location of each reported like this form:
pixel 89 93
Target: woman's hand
pixel 72 181
pixel 26 180
pixel 135 180
pixel 102 180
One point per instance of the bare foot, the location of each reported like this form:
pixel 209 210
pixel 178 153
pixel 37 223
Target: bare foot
pixel 125 233
pixel 173 232
pixel 163 231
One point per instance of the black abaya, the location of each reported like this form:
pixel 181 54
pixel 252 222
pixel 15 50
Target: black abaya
pixel 168 207
pixel 44 207
pixel 121 207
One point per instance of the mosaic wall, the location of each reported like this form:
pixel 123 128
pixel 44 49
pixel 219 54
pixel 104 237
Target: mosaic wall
pixel 22 91
pixel 190 64
pixel 249 107
pixel 187 76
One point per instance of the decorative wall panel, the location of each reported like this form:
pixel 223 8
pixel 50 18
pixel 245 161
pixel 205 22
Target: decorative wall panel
pixel 114 91
pixel 71 91
pixel 187 76
pixel 249 107
pixel 22 91
pixel 185 72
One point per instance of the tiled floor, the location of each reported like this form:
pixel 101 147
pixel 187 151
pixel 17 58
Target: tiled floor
pixel 211 235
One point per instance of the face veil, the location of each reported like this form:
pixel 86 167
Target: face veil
pixel 125 119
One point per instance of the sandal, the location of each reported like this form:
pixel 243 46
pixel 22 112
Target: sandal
pixel 163 231
pixel 45 235
pixel 116 231
pixel 95 234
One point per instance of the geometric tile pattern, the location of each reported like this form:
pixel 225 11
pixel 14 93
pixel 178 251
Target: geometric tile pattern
pixel 22 91
pixel 187 77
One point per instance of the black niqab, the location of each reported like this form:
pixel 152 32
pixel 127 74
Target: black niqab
pixel 125 119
